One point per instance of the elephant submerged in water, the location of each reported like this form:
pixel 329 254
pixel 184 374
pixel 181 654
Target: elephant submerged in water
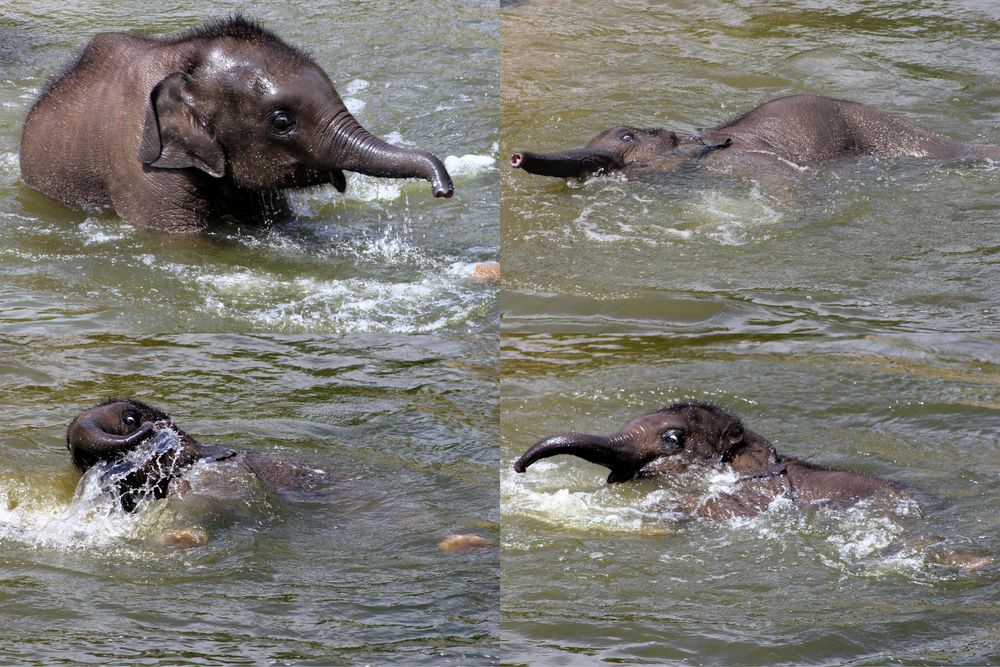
pixel 142 455
pixel 691 435
pixel 172 132
pixel 787 133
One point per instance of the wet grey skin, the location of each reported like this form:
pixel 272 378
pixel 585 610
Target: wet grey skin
pixel 109 432
pixel 692 434
pixel 785 133
pixel 173 132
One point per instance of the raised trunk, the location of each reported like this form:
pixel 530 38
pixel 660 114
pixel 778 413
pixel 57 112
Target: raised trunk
pixel 566 164
pixel 616 453
pixel 356 149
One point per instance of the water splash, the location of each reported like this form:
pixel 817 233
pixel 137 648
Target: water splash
pixel 469 165
pixel 92 521
pixel 732 220
pixel 10 170
pixel 606 508
pixel 877 537
pixel 144 472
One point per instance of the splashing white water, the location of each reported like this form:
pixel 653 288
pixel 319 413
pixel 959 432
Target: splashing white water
pixel 731 220
pixel 604 508
pixel 871 538
pixel 93 520
pixel 469 165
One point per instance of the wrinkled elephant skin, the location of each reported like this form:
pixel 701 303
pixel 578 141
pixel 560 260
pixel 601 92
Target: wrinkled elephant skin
pixel 173 132
pixel 784 134
pixel 687 435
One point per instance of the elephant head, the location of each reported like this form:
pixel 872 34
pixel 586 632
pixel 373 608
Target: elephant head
pixel 617 149
pixel 138 446
pixel 688 433
pixel 247 106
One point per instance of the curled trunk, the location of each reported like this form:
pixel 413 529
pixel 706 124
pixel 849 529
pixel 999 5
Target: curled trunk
pixel 356 149
pixel 91 441
pixel 615 452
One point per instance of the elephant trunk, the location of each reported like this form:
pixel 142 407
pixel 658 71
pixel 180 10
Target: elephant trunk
pixel 615 452
pixel 356 149
pixel 566 164
pixel 89 441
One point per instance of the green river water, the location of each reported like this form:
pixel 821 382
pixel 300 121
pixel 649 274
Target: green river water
pixel 595 573
pixel 385 257
pixel 849 314
pixel 855 247
pixel 350 578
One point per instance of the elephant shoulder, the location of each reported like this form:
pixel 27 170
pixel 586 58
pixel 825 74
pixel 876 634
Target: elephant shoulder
pixel 103 54
pixel 105 46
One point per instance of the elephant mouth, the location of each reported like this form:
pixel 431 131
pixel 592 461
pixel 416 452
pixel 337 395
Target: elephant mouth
pixel 577 163
pixel 338 180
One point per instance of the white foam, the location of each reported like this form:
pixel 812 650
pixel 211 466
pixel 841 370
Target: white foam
pixel 356 86
pixel 97 232
pixel 369 188
pixel 396 139
pixel 430 293
pixel 601 508
pixel 868 538
pixel 92 521
pixel 729 218
pixel 389 248
pixel 359 305
pixel 354 105
pixel 9 167
pixel 469 165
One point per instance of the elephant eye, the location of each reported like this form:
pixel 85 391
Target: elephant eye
pixel 627 138
pixel 131 420
pixel 281 122
pixel 673 437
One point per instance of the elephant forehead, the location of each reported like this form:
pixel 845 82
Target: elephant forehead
pixel 610 134
pixel 245 71
pixel 654 423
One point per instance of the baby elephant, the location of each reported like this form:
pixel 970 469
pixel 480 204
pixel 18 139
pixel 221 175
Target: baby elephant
pixel 144 455
pixel 693 434
pixel 172 132
pixel 783 134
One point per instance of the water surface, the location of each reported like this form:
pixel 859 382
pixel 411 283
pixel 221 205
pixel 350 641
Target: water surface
pixel 595 573
pixel 386 256
pixel 850 247
pixel 407 427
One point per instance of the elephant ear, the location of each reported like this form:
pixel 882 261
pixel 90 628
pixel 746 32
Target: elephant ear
pixel 731 439
pixel 173 135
